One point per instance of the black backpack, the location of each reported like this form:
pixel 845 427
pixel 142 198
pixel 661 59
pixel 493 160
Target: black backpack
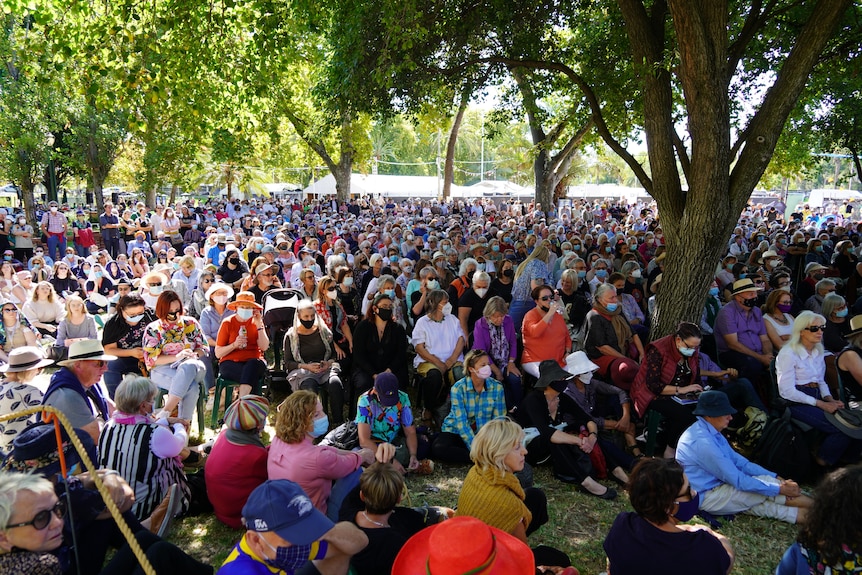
pixel 783 450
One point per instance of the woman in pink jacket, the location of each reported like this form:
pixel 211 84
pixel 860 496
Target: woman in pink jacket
pixel 293 456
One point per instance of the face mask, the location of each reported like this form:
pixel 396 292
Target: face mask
pixel 447 309
pixel 390 293
pixel 331 294
pixel 749 302
pixel 713 291
pixel 481 292
pixel 686 351
pixel 470 275
pixel 432 284
pixel 21 222
pixel 636 274
pixel 842 313
pixel 650 241
pixel 307 323
pixel 133 320
pixel 774 263
pixel 441 264
pixel 818 248
pixel 53 210
pixel 393 259
pixel 321 426
pixel 685 510
pixel 612 307
pixel 156 290
pixel 172 316
pixel 495 248
pixel 586 378
pixel 244 313
pixel 7 258
pixel 484 372
pixel 818 277
pixel 220 299
pixel 288 559
pixel 785 307
pixel 233 261
pixel 582 274
pixel 384 314
pixel 348 281
pixel 37 267
pixel 576 247
pixel 601 274
pixel 609 249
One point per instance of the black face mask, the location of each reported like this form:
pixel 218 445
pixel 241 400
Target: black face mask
pixel 470 275
pixel 172 316
pixel 307 323
pixel 233 261
pixel 509 273
pixel 384 314
pixel 749 302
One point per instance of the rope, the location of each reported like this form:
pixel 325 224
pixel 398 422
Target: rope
pixel 51 414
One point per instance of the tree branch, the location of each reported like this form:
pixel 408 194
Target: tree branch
pixel 302 130
pixel 570 147
pixel 595 107
pixel 682 154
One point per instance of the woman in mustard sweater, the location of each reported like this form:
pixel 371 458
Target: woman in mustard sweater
pixel 493 494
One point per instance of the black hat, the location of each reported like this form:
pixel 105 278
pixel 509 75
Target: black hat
pixel 713 404
pixel 550 371
pixel 35 449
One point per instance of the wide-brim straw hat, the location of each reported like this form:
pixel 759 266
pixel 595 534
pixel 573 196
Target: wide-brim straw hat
pixel 24 359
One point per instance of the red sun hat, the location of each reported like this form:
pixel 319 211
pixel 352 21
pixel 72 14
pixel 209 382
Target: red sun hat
pixel 464 545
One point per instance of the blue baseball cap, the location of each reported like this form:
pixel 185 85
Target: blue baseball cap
pixel 281 506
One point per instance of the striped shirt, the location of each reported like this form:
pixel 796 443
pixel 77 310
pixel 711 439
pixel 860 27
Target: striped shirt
pixel 128 450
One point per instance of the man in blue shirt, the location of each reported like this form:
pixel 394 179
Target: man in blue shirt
pixel 727 482
pixel 285 532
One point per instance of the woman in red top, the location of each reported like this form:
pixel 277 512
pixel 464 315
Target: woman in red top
pixel 241 342
pixel 546 335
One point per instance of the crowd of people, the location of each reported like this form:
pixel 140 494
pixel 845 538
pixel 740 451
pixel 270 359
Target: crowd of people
pixel 492 334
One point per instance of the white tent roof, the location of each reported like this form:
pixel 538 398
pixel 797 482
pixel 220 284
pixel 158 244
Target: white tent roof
pixel 493 188
pixel 383 185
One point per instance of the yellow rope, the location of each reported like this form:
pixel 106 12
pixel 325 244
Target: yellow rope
pixel 103 491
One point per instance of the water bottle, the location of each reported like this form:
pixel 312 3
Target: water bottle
pixel 242 333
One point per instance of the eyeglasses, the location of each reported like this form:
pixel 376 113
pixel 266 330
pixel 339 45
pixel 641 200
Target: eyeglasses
pixel 816 328
pixel 43 518
pixel 207 281
pixel 546 298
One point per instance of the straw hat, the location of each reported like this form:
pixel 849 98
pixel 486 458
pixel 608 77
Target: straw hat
pixel 244 297
pixel 743 285
pixel 86 350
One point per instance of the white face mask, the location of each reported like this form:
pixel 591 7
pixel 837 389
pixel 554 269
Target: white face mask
pixel 636 274
pixel 432 284
pixel 586 377
pixel 331 294
pixel 220 299
pixel 447 309
pixel 348 281
pixel 481 292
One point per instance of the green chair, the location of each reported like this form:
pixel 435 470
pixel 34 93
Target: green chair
pixel 201 407
pixel 222 385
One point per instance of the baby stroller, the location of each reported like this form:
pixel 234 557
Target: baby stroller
pixel 279 307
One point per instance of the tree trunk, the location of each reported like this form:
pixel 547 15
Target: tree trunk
pixel 173 199
pixel 449 166
pixel 343 171
pixel 857 163
pixel 544 178
pixel 151 196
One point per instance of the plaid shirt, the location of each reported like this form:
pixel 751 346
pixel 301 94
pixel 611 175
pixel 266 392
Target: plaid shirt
pixel 471 410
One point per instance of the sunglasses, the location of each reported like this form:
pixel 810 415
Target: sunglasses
pixel 816 328
pixel 43 518
pixel 9 310
pixel 546 298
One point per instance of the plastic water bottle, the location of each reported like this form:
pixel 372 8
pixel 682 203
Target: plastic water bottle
pixel 242 333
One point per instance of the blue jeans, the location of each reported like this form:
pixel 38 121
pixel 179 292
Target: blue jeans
pixel 57 243
pixel 513 389
pixel 117 369
pixel 340 489
pixel 518 309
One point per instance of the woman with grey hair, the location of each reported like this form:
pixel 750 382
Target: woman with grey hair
pixel 462 283
pixel 495 335
pixel 142 450
pixel 472 303
pixel 837 326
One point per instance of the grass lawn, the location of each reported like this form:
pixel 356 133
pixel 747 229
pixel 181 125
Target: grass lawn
pixel 578 525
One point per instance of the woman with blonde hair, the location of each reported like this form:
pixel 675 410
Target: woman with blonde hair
pixel 188 273
pixel 41 272
pixel 77 325
pixel 532 273
pixel 8 279
pixel 43 309
pixel 492 493
pixel 294 456
pixel 801 371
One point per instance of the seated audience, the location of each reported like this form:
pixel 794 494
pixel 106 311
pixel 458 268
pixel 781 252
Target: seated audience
pixel 241 343
pixel 494 334
pixel 545 333
pixel 123 337
pixel 384 415
pixel 16 392
pixel 610 342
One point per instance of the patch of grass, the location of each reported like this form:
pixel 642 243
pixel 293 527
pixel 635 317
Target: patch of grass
pixel 578 524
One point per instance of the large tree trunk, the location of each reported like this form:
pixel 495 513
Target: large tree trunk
pixel 344 169
pixel 449 166
pixel 151 196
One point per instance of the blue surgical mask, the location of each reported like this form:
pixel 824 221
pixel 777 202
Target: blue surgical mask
pixel 321 426
pixel 612 307
pixel 841 313
pixel 97 275
pixel 713 291
pixel 390 293
pixel 156 290
pixel 601 273
pixel 686 351
pixel 133 320
pixel 582 274
pixel 288 559
pixel 244 313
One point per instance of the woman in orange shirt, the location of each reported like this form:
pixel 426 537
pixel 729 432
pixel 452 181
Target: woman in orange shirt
pixel 240 344
pixel 545 333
